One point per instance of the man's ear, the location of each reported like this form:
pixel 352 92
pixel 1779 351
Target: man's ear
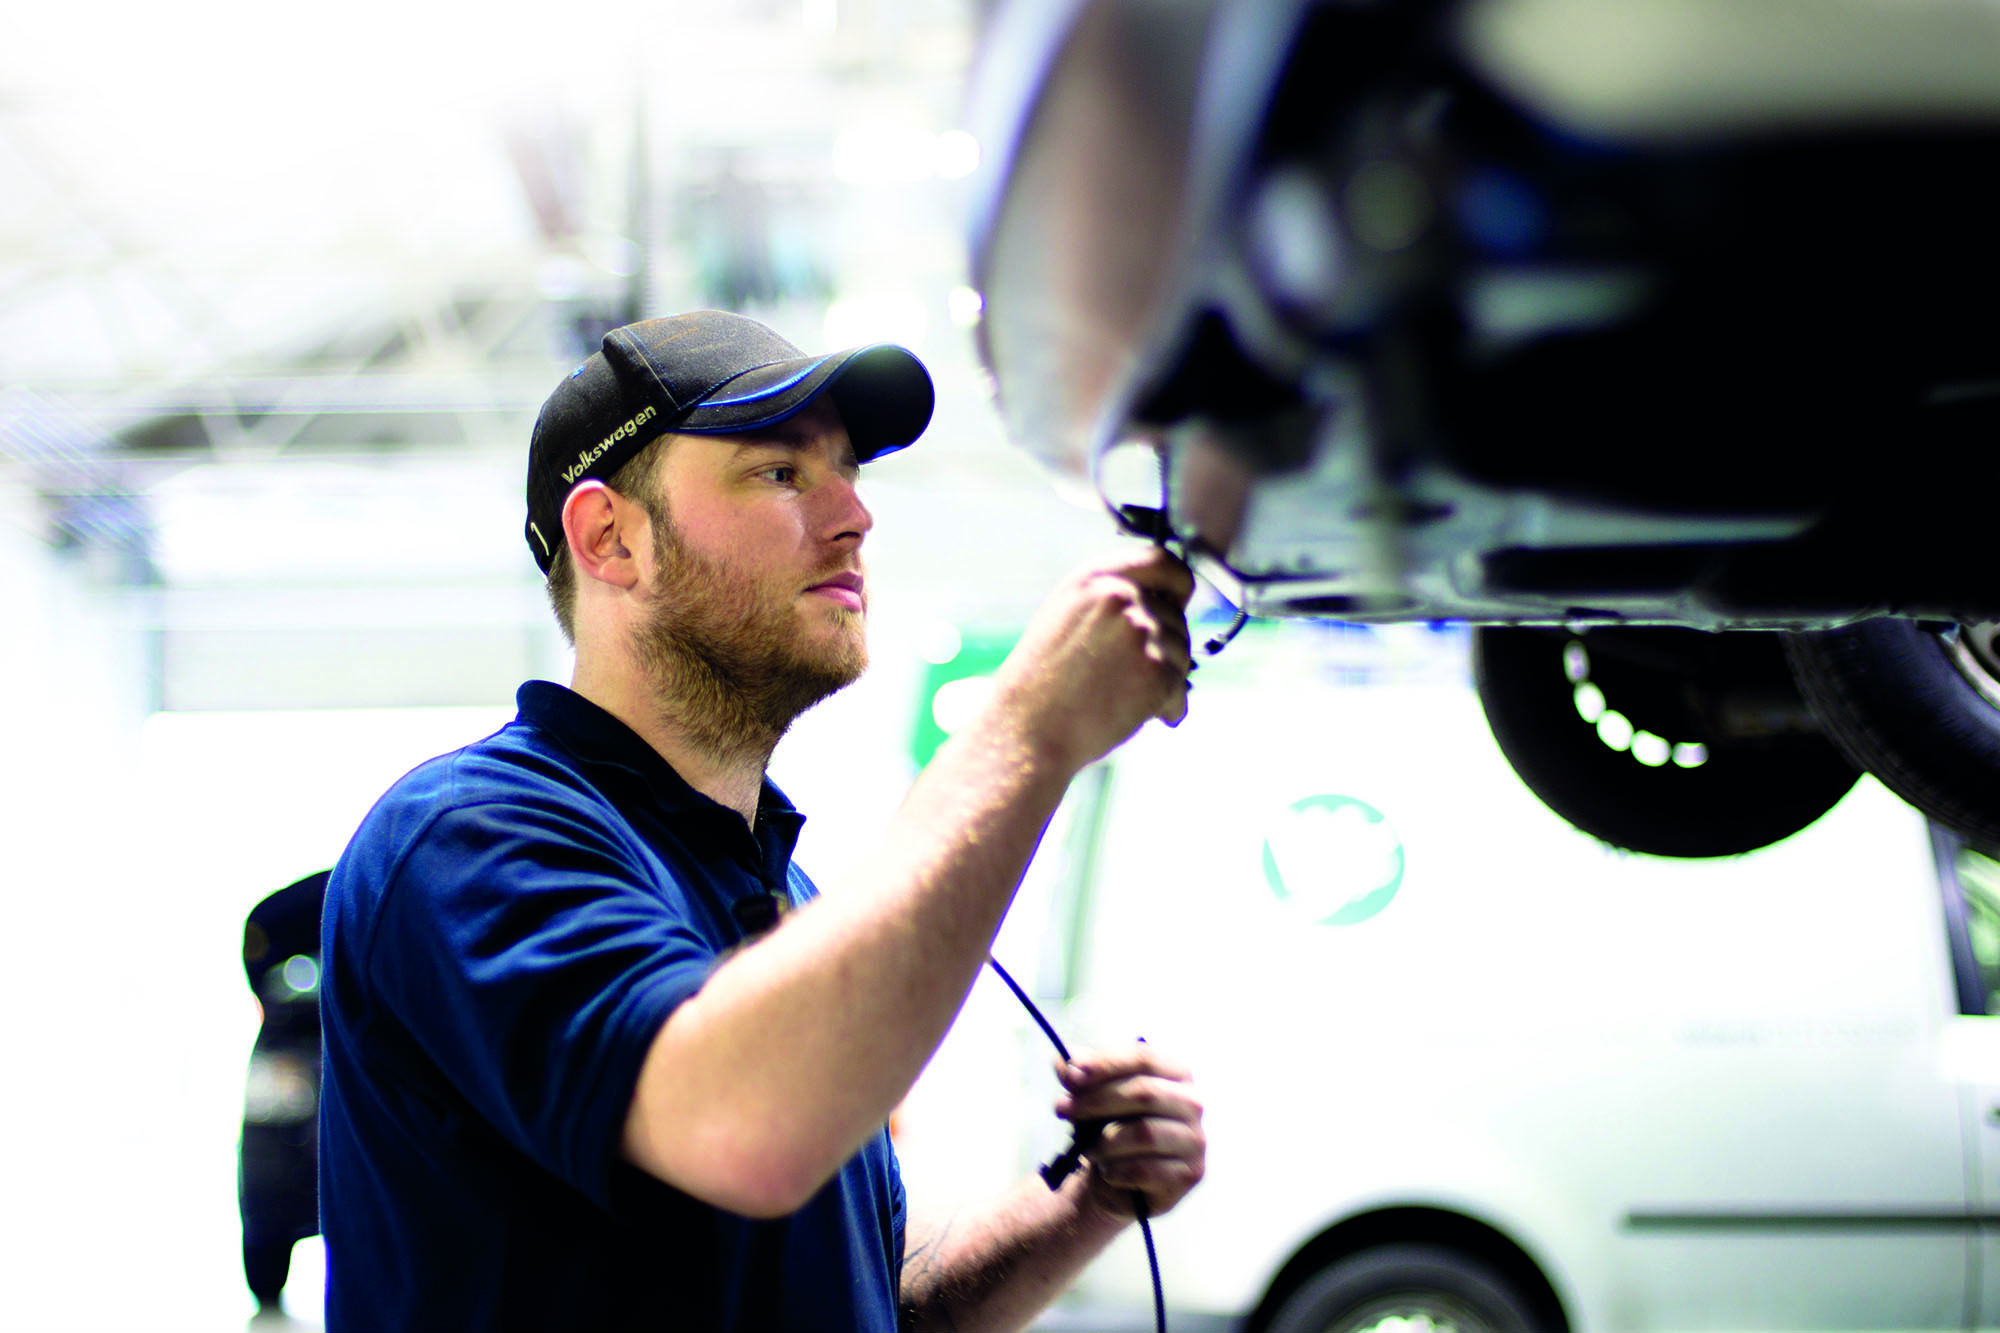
pixel 599 525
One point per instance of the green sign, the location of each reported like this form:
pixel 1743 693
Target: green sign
pixel 960 663
pixel 1334 858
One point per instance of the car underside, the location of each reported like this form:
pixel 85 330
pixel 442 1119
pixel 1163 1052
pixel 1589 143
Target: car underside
pixel 1658 341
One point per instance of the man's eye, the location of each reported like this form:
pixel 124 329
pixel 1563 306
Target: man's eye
pixel 783 475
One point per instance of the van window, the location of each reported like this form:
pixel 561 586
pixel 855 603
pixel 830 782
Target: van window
pixel 1979 879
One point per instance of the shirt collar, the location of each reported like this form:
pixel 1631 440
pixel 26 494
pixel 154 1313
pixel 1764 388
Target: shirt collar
pixel 600 740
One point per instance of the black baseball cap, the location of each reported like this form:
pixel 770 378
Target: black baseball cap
pixel 707 373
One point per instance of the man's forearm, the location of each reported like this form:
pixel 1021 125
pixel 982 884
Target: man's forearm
pixel 1000 1267
pixel 797 1049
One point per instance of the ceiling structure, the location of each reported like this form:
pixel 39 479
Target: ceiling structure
pixel 282 294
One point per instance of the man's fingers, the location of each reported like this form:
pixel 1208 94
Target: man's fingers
pixel 1155 1175
pixel 1128 1098
pixel 1159 1156
pixel 1161 620
pixel 1151 1141
pixel 1169 614
pixel 1170 645
pixel 1108 651
pixel 1123 1100
pixel 1158 570
pixel 1148 1138
pixel 1088 1067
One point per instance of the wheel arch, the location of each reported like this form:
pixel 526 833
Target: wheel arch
pixel 1409 1223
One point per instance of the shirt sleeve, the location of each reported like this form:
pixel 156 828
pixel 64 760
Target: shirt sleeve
pixel 532 956
pixel 899 1212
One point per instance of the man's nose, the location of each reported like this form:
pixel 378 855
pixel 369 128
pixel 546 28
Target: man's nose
pixel 845 514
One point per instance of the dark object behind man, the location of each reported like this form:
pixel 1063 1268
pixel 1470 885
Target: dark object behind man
pixel 278 1162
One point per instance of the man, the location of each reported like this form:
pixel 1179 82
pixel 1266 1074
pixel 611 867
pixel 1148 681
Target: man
pixel 597 1053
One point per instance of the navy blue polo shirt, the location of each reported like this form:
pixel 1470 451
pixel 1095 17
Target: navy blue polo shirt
pixel 503 937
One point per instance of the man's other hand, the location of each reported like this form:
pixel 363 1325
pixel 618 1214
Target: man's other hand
pixel 1152 1141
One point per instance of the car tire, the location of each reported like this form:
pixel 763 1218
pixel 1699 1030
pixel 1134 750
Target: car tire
pixel 1405 1287
pixel 1917 707
pixel 1733 759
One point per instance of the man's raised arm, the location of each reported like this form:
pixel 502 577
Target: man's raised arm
pixel 794 1052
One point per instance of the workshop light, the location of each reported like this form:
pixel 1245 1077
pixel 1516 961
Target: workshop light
pixel 1650 750
pixel 955 155
pixel 884 152
pixel 964 306
pixel 1615 730
pixel 879 317
pixel 940 642
pixel 957 702
pixel 891 152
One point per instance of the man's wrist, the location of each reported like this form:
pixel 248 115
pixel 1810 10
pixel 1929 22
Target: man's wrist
pixel 1006 729
pixel 1098 1206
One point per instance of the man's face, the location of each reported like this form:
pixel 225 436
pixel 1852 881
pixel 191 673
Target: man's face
pixel 757 540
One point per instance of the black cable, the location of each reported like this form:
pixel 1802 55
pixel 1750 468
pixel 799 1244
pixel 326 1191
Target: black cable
pixel 1033 1012
pixel 1083 1137
pixel 1152 1262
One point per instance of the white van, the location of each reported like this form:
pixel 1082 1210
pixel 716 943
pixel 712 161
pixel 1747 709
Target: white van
pixel 1465 1065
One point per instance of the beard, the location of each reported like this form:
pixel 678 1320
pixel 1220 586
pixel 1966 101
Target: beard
pixel 730 664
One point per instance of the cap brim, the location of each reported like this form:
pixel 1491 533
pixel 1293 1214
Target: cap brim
pixel 883 393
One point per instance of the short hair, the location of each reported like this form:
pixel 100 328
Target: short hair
pixel 634 481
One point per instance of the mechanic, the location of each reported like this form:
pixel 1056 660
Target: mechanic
pixel 597 1054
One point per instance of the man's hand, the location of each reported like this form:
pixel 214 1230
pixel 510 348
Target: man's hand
pixel 1000 1268
pixel 1152 1141
pixel 1108 650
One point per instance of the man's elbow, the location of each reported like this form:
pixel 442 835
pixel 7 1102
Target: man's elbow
pixel 764 1186
pixel 753 1178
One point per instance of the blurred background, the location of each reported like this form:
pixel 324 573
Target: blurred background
pixel 283 289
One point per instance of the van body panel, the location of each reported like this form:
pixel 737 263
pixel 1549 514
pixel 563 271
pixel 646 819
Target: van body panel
pixel 1700 1094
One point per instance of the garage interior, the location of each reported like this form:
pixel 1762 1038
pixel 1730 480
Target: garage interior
pixel 283 292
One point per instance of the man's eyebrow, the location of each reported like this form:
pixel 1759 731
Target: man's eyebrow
pixel 784 437
pixel 776 437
